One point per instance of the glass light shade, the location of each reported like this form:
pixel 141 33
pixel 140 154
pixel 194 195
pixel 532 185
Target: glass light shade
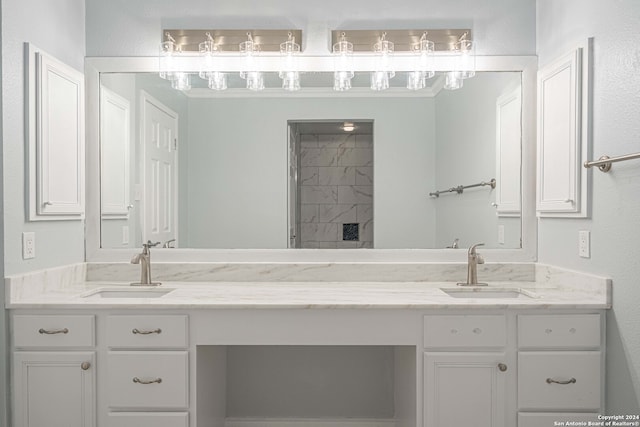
pixel 291 81
pixel 453 80
pixel 166 60
pixel 416 80
pixel 379 80
pixel 466 59
pixel 255 80
pixel 423 59
pixel 289 72
pixel 342 65
pixel 207 58
pixel 217 80
pixel 182 81
pixel 342 81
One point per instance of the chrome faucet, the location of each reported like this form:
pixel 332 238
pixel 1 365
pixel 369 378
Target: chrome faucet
pixel 168 243
pixel 144 259
pixel 473 259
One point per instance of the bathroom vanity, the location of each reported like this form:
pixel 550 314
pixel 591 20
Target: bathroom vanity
pixel 89 348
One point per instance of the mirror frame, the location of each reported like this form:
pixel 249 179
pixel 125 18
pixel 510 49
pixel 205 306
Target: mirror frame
pixel 94 253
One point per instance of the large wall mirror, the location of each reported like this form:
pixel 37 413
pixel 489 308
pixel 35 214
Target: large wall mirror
pixel 237 172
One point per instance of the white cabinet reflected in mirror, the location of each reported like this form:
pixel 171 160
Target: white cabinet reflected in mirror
pixel 205 169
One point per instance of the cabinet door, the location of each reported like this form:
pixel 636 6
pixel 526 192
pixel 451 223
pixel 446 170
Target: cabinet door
pixel 465 389
pixel 54 389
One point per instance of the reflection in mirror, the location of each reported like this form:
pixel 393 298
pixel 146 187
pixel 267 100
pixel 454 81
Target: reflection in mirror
pixel 203 169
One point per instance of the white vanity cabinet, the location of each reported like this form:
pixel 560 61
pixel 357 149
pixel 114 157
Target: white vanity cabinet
pixel 54 381
pixel 148 370
pixel 466 368
pixel 560 366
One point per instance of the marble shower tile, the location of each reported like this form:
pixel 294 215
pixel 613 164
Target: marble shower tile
pixel 364 141
pixel 354 157
pixel 308 141
pixel 309 176
pixel 337 213
pixel 337 141
pixel 319 232
pixel 355 194
pixel 316 194
pixel 318 157
pixel 337 176
pixel 364 175
pixel 309 213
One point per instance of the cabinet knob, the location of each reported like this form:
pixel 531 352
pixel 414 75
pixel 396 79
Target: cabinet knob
pixel 85 365
pixel 477 331
pixel 502 367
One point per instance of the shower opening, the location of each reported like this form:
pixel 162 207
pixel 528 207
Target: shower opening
pixel 331 184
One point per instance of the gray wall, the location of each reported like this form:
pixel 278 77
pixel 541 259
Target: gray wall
pixel 614 224
pixel 466 152
pixel 58 29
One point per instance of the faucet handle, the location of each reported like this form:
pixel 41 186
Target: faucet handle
pixel 150 244
pixel 479 259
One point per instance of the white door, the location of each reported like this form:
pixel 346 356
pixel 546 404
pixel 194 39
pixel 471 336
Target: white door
pixel 465 389
pixel 54 389
pixel 160 160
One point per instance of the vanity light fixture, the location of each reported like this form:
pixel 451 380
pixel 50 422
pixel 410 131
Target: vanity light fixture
pixel 343 64
pixel 209 70
pixel 168 50
pixel 289 74
pixel 383 50
pixel 466 57
pixel 254 77
pixel 182 81
pixel 423 50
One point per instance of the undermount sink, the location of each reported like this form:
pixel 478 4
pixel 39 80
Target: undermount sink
pixel 129 293
pixel 509 293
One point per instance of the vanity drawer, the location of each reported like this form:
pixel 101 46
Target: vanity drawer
pixel 550 419
pixel 148 419
pixel 147 379
pixel 53 331
pixel 147 331
pixel 539 374
pixel 559 331
pixel 465 331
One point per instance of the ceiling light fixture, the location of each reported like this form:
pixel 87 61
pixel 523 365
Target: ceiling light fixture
pixel 348 127
pixel 166 63
pixel 289 74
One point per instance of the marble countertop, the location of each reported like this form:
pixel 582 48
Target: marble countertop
pixel 69 287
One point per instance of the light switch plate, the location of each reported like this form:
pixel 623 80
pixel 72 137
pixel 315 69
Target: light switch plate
pixel 584 243
pixel 28 245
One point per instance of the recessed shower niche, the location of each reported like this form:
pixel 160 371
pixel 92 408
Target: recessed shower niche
pixel 331 184
pixel 292 385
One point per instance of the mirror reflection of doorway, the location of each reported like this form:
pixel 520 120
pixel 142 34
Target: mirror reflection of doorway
pixel 331 184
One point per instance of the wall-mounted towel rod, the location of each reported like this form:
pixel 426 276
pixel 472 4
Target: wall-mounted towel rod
pixel 604 162
pixel 460 188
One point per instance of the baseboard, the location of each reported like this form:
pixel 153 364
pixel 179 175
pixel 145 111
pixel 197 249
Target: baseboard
pixel 309 422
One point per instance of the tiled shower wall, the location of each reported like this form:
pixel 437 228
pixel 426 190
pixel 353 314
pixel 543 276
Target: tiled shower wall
pixel 336 188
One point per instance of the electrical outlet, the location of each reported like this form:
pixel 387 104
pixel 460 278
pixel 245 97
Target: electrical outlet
pixel 501 234
pixel 125 234
pixel 584 243
pixel 28 245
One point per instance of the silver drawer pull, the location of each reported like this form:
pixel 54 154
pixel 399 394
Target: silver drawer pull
pixel 502 367
pixel 139 381
pixel 477 331
pixel 85 365
pixel 552 381
pixel 53 331
pixel 146 332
